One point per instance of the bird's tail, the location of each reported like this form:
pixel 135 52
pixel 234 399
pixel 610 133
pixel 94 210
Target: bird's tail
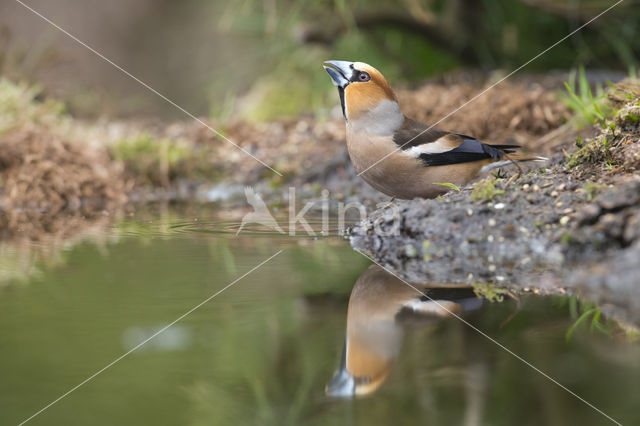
pixel 511 159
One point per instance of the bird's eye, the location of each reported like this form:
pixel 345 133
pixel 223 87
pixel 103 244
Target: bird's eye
pixel 364 76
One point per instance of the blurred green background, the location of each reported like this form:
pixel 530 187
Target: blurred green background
pixel 262 59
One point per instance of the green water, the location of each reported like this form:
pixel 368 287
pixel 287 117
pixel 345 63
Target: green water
pixel 263 350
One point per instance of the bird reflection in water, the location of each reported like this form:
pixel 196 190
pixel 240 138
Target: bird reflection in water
pixel 380 306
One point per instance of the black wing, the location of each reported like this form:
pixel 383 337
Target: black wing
pixel 463 148
pixel 469 150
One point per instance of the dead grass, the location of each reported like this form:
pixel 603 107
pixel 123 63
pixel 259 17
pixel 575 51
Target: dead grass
pixel 45 169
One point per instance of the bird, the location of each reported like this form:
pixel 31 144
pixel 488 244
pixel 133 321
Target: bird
pixel 380 306
pixel 260 213
pixel 399 156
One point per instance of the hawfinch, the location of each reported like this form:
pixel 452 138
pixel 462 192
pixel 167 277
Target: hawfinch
pixel 379 302
pixel 399 156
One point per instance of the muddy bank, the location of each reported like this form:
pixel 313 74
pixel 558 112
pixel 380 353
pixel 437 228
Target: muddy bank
pixel 54 166
pixel 572 226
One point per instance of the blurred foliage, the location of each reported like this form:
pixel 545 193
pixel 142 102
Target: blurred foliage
pixel 21 104
pixel 158 162
pixel 585 313
pixel 409 40
pixel 262 59
pixel 588 108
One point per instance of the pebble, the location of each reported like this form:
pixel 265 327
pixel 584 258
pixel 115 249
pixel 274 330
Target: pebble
pixel 498 206
pixel 564 220
pixel 492 222
pixel 589 213
pixel 554 193
pixel 469 212
pixel 410 251
pixel 490 238
pixel 302 126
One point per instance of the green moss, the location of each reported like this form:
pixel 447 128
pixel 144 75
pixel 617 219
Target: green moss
pixel 632 118
pixel 426 250
pixel 144 145
pixel 592 189
pixel 277 181
pixel 597 150
pixel 161 161
pixel 486 190
pixel 21 104
pixel 489 292
pixel 566 238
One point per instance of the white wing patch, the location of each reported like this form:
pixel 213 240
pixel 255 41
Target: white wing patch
pixel 435 307
pixel 439 146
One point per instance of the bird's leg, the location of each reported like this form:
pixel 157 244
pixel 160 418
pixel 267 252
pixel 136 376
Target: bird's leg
pixel 385 204
pixel 514 177
pixel 515 163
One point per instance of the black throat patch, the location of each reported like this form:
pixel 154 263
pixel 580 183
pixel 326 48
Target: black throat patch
pixel 344 111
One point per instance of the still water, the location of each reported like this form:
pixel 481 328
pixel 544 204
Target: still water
pixel 268 349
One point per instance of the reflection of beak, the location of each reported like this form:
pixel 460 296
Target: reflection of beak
pixel 342 385
pixel 339 71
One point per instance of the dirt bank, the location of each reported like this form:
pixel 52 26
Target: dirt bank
pixel 53 166
pixel 571 226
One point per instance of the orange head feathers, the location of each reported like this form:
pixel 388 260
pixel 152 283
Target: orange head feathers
pixel 362 88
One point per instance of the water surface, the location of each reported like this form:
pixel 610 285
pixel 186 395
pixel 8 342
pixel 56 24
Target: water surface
pixel 263 350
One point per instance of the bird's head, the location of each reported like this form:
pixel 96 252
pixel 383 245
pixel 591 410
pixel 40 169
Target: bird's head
pixel 364 92
pixel 361 372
